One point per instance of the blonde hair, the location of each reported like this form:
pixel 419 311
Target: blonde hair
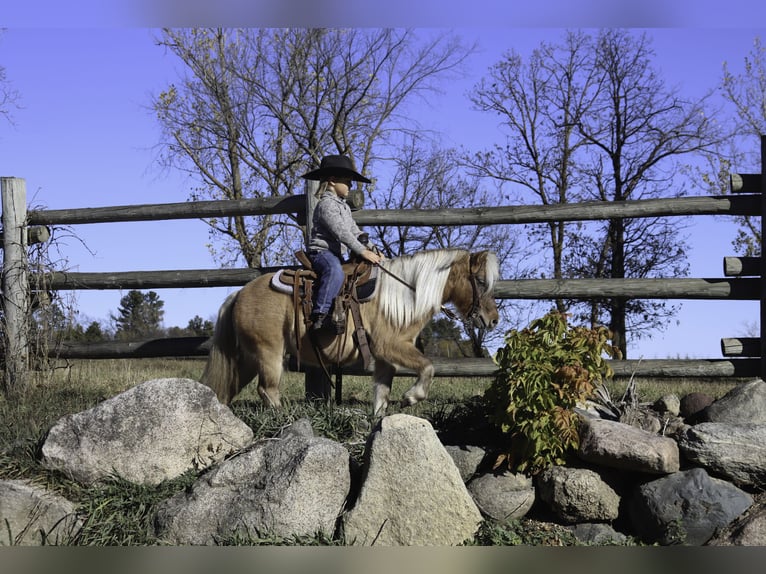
pixel 322 187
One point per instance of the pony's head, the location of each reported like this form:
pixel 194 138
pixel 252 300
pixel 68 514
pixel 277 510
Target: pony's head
pixel 473 294
pixel 416 286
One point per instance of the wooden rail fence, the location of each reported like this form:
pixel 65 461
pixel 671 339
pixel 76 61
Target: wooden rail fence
pixel 744 278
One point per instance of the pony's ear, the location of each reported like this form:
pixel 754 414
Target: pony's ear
pixel 478 261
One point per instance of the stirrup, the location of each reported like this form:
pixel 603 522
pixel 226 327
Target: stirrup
pixel 317 321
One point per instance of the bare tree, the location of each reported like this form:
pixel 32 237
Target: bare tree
pixel 9 97
pixel 591 119
pixel 540 103
pixel 637 132
pixel 747 93
pixel 430 177
pixel 256 108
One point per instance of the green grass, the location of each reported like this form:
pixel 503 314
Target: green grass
pixel 118 513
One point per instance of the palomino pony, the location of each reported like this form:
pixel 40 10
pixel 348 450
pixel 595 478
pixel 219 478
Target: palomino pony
pixel 256 325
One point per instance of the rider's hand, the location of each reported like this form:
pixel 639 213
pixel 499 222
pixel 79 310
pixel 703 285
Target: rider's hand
pixel 371 256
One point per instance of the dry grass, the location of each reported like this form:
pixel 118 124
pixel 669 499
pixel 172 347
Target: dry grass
pixel 73 386
pixel 651 389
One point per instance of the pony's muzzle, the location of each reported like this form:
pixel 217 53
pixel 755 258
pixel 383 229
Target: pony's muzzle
pixel 481 322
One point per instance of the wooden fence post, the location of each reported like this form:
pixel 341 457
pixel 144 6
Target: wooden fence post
pixel 15 285
pixel 317 385
pixel 763 258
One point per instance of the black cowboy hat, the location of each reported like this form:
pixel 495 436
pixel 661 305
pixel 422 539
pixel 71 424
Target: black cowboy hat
pixel 335 165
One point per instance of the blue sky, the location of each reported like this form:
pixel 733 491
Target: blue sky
pixel 84 136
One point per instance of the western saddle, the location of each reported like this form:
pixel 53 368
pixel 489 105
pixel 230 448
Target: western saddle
pixel 358 286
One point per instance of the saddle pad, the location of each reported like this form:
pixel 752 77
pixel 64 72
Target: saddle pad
pixel 364 292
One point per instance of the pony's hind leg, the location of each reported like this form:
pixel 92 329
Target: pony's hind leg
pixel 269 377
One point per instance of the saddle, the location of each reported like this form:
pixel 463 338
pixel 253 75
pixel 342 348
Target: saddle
pixel 358 287
pixel 360 273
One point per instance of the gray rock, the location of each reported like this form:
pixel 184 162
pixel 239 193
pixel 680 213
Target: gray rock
pixel 747 530
pixel 293 486
pixel 643 419
pixel 745 403
pixel 301 427
pixel 466 458
pixel 598 534
pixel 668 404
pixel 412 493
pixel 621 446
pixel 685 508
pixel 153 432
pixel 736 452
pixel 32 516
pixel 577 495
pixel 503 497
pixel 693 404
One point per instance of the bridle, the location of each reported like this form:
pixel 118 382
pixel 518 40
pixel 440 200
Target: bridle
pixel 477 294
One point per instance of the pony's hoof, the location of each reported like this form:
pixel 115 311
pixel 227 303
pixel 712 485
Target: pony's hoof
pixel 408 402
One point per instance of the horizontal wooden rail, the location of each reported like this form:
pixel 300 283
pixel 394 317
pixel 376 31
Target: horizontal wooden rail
pixel 659 368
pixel 35 234
pixel 153 348
pixel 163 211
pixel 687 288
pixel 745 182
pixel 586 211
pixel 467 367
pixel 146 279
pixel 742 266
pixel 741 347
pixel 728 289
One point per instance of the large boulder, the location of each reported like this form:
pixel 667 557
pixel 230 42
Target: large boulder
pixel 577 495
pixel 745 403
pixel 686 507
pixel 32 516
pixel 618 445
pixel 747 530
pixel 503 497
pixel 736 452
pixel 412 493
pixel 296 485
pixel 153 432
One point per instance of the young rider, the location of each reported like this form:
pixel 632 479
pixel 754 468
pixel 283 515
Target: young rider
pixel 333 231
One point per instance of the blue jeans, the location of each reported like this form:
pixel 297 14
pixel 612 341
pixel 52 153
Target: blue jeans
pixel 328 268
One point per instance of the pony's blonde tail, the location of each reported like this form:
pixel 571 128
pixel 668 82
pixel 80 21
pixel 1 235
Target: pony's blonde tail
pixel 222 368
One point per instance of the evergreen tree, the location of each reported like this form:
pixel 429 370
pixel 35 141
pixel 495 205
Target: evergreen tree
pixel 199 327
pixel 139 315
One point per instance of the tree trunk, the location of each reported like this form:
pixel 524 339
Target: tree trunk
pixel 618 305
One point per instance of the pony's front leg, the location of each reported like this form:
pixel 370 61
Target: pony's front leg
pixel 419 391
pixel 382 379
pixel 405 354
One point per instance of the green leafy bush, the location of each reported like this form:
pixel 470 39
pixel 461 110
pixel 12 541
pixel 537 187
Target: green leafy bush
pixel 544 371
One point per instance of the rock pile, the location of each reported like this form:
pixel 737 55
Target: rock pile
pixel 676 483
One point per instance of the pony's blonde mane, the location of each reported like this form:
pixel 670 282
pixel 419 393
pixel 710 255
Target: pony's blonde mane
pixel 427 273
